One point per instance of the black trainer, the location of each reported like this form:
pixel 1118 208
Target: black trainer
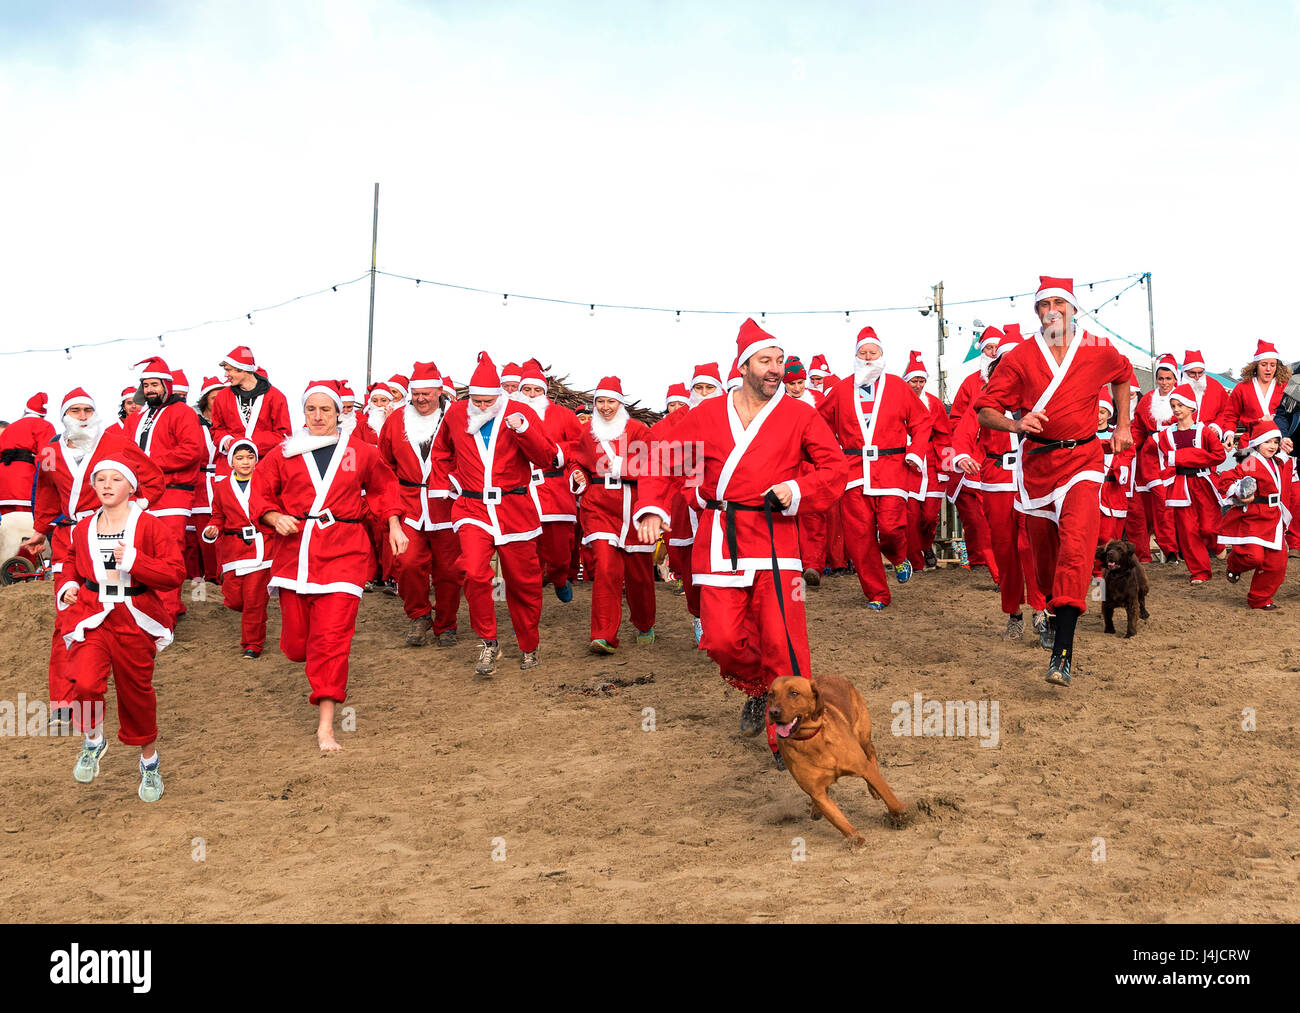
pixel 753 716
pixel 931 560
pixel 1047 632
pixel 1058 670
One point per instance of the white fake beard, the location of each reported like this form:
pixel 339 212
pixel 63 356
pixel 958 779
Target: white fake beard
pixel 479 417
pixel 697 398
pixel 420 428
pixel 81 434
pixel 807 398
pixel 375 416
pixel 612 429
pixel 537 404
pixel 1160 409
pixel 1199 385
pixel 814 384
pixel 348 421
pixel 865 372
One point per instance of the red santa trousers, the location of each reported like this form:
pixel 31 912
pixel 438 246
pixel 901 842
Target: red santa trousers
pixel 975 526
pixel 1147 513
pixel 247 595
pixel 523 579
pixel 922 523
pixel 874 525
pixel 1063 556
pixel 200 556
pixel 679 561
pixel 119 645
pixel 836 556
pixel 1197 528
pixel 1270 570
pixel 744 633
pixel 616 571
pixel 431 556
pixel 555 551
pixel 317 629
pixel 813 532
pixel 1014 558
pixel 62 691
pixel 176 528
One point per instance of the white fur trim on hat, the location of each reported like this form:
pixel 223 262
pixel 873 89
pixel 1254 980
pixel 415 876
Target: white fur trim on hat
pixel 1271 434
pixel 767 341
pixel 1048 293
pixel 330 392
pixel 605 392
pixel 111 465
pixel 241 442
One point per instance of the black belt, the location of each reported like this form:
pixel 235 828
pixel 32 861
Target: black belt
pixel 553 473
pixel 248 534
pixel 729 509
pixel 210 471
pixel 128 592
pixel 409 484
pixel 327 518
pixel 496 494
pixel 871 453
pixel 1001 458
pixel 1188 472
pixel 16 455
pixel 1046 445
pixel 183 486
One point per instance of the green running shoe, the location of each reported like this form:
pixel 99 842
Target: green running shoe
pixel 87 768
pixel 648 637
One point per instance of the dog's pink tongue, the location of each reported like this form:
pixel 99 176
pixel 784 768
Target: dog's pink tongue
pixel 784 730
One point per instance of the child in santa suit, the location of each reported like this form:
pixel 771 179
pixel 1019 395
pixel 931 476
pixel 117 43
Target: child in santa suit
pixel 1192 450
pixel 1118 469
pixel 113 593
pixel 1254 528
pixel 244 550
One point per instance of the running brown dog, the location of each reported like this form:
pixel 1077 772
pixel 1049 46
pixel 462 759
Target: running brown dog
pixel 824 733
pixel 1125 584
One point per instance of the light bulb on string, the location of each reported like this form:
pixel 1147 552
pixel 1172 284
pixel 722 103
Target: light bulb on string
pixel 678 318
pixel 334 287
pixel 846 317
pixel 68 353
pixel 250 320
pixel 591 309
pixel 505 299
pixel 417 282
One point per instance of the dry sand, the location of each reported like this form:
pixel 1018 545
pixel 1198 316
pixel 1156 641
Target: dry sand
pixel 604 821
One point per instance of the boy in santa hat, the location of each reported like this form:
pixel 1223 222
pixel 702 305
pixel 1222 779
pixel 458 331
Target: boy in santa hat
pixel 613 456
pixel 488 446
pixel 1257 493
pixel 1192 451
pixel 1151 477
pixel 20 447
pixel 113 593
pixel 925 488
pixel 244 549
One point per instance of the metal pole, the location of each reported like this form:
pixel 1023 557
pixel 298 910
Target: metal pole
pixel 1151 322
pixel 374 249
pixel 938 308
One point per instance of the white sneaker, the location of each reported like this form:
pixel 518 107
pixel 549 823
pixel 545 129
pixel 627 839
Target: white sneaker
pixel 151 784
pixel 87 768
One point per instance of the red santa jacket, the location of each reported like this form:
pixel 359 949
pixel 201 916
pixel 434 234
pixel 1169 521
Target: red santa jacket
pixel 65 494
pixel 330 552
pixel 173 439
pixel 267 425
pixel 1027 379
pixel 882 437
pixel 1153 415
pixel 740 464
pixel 491 481
pixel 932 481
pixel 207 473
pixel 966 392
pixel 20 447
pixel 614 467
pixel 360 425
pixel 1248 403
pixel 151 565
pixel 683 519
pixel 1264 520
pixel 424 507
pixel 551 491
pixel 243 545
pixel 1212 404
pixel 993 450
pixel 1117 486
pixel 1191 455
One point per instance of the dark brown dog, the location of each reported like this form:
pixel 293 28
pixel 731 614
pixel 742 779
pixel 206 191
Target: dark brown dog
pixel 1125 584
pixel 824 732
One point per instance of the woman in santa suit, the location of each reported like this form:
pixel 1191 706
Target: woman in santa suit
pixel 309 490
pixel 1151 477
pixel 614 453
pixel 1192 451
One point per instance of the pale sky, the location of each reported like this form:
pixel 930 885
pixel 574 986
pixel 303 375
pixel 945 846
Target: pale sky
pixel 169 163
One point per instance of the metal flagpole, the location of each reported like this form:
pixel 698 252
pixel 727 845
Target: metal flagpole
pixel 943 330
pixel 1151 322
pixel 374 249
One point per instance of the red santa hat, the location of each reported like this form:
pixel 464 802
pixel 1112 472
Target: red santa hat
pixel 794 371
pixel 449 385
pixel 751 339
pixel 1051 287
pixel 734 379
pixel 1167 361
pixel 707 372
pixel 1010 329
pixel 261 371
pixel 677 393
pixel 378 387
pixel 156 369
pixel 127 392
pixel 241 358
pixel 990 336
pixel 330 388
pixel 610 386
pixel 347 393
pixel 111 465
pixel 1263 431
pixel 425 376
pixel 180 382
pixel 1104 400
pixel 532 373
pixel 1184 393
pixel 915 367
pixel 398 384
pixel 1008 341
pixel 36 405
pixel 484 380
pixel 818 366
pixel 78 396
pixel 1266 350
pixel 512 373
pixel 1193 359
pixel 867 336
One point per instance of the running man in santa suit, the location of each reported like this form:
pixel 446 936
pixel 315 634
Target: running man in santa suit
pixel 406 445
pixel 754 441
pixel 1151 477
pixel 168 431
pixel 812 526
pixel 884 429
pixel 201 556
pixel 65 495
pixel 20 448
pixel 1049 386
pixel 250 407
pixel 487 448
pixel 309 491
pixel 925 488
